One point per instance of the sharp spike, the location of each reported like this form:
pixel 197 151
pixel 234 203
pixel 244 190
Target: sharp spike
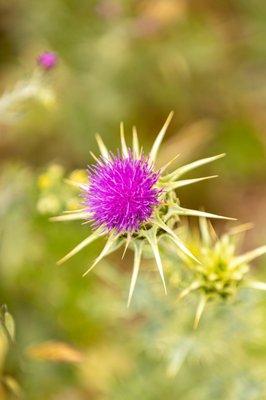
pixel 95 235
pixel 164 167
pixel 197 213
pixel 106 250
pixel 151 237
pixel 135 142
pixel 89 221
pixel 126 245
pixel 74 211
pixel 247 257
pixel 70 217
pixel 212 232
pixel 185 182
pixel 256 285
pixel 159 138
pixel 136 265
pixel 199 312
pixel 189 289
pixel 241 228
pixel 188 167
pixel 76 184
pixel 178 242
pixel 123 141
pixel 204 231
pixel 94 157
pixel 103 149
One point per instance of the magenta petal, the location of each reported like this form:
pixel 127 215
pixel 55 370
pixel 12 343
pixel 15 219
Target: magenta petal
pixel 121 193
pixel 47 60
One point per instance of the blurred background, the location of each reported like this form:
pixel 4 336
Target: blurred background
pixel 131 61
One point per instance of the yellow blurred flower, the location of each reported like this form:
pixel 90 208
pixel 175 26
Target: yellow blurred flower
pixel 79 175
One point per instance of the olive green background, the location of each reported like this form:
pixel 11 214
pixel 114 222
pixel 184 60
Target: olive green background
pixel 132 61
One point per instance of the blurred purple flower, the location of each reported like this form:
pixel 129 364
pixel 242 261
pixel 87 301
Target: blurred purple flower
pixel 47 60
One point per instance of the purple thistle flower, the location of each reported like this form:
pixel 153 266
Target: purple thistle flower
pixel 121 193
pixel 47 60
pixel 131 204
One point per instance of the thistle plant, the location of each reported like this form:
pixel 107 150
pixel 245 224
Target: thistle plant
pixel 221 271
pixel 132 203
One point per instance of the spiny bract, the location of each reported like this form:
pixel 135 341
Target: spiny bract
pixel 132 203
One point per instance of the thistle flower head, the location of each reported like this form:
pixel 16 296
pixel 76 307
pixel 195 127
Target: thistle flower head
pixel 47 60
pixel 221 271
pixel 121 194
pixel 132 203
